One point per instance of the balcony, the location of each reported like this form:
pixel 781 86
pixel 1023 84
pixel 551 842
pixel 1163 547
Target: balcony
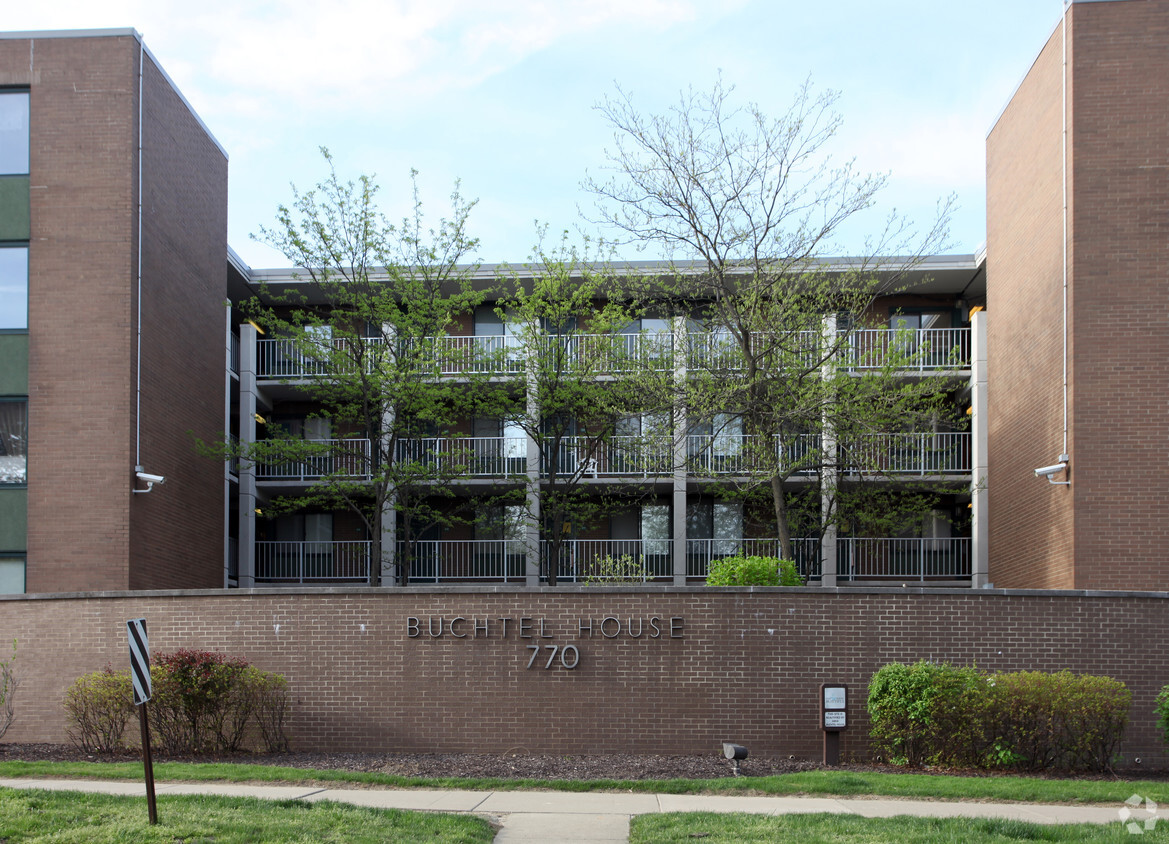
pixel 581 559
pixel 616 457
pixel 904 560
pixel 913 350
pixel 701 552
pixel 336 458
pixel 309 562
pixel 911 455
pixel 468 457
pixel 287 359
pixel 436 561
pixel 736 454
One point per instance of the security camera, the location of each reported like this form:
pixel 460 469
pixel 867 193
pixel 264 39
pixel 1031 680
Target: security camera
pixel 1048 471
pixel 148 479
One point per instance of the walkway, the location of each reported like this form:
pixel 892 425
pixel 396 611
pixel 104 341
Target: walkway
pixel 557 816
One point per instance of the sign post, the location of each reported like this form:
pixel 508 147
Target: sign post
pixel 833 718
pixel 140 678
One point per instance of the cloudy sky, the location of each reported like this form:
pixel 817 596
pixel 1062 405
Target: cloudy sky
pixel 500 93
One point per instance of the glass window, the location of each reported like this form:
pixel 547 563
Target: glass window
pixel 11 574
pixel 13 441
pixel 13 133
pixel 13 287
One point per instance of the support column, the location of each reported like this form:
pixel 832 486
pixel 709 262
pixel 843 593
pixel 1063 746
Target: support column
pixel 979 451
pixel 532 424
pixel 829 476
pixel 384 571
pixel 247 470
pixel 680 450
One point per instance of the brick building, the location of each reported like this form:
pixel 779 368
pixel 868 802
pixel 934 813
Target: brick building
pixel 116 353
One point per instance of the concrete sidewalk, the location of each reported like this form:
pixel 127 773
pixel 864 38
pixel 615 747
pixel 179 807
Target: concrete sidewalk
pixel 551 816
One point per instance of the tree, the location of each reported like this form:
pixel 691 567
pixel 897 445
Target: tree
pixel 369 323
pixel 587 373
pixel 747 208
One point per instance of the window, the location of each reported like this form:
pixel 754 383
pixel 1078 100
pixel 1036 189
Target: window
pixel 14 134
pixel 13 441
pixel 12 574
pixel 13 287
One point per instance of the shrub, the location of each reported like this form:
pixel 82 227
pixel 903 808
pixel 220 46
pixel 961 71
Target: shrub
pixel 931 713
pixel 97 706
pixel 623 569
pixel 201 702
pixel 753 571
pixel 8 684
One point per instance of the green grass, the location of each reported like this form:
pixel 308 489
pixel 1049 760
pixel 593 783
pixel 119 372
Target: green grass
pixel 710 828
pixel 836 783
pixel 64 817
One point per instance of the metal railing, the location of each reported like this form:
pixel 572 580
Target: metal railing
pixel 295 359
pixel 615 457
pixel 739 454
pixel 441 560
pixel 700 553
pixel 473 457
pixel 607 354
pixel 345 458
pixel 304 562
pixel 478 354
pixel 903 560
pixel 581 559
pixel 909 454
pixel 913 349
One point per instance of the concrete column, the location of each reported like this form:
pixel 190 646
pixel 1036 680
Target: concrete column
pixel 979 551
pixel 828 476
pixel 248 393
pixel 384 571
pixel 531 425
pixel 680 450
pixel 229 385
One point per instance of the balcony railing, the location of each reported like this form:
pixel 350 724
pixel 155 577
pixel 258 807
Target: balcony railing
pixel 737 454
pixel 435 561
pixel 338 458
pixel 473 457
pixel 911 454
pixel 920 349
pixel 581 559
pixel 482 354
pixel 611 458
pixel 700 553
pixel 305 562
pixel 904 560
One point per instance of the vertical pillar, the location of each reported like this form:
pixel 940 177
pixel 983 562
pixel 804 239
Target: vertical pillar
pixel 829 476
pixel 228 501
pixel 531 426
pixel 247 471
pixel 680 449
pixel 384 570
pixel 979 461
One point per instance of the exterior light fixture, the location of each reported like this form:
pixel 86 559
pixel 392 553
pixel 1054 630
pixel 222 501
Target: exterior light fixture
pixel 735 753
pixel 260 419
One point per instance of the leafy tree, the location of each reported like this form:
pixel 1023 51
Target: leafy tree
pixel 747 207
pixel 374 302
pixel 584 373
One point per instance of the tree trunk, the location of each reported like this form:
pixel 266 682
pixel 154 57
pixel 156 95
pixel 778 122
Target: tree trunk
pixel 782 530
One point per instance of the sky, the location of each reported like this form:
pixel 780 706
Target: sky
pixel 501 94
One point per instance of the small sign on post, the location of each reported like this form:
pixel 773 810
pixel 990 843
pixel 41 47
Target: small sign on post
pixel 833 718
pixel 140 679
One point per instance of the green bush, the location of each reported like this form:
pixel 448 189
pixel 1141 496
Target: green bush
pixel 8 684
pixel 97 706
pixel 201 702
pixel 753 571
pixel 612 570
pixel 930 713
pixel 1162 710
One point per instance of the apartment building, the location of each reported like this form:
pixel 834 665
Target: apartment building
pixel 117 355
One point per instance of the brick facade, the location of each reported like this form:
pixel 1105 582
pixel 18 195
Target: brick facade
pixel 746 666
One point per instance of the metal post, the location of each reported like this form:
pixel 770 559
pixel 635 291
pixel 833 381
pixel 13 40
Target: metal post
pixel 147 763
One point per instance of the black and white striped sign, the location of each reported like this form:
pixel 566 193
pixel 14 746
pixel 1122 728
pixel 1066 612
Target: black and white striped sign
pixel 139 659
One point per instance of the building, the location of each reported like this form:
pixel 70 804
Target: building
pixel 116 355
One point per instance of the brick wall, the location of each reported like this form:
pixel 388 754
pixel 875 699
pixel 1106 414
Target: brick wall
pixel 746 666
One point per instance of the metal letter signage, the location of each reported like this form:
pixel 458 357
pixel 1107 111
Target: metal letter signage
pixel 139 659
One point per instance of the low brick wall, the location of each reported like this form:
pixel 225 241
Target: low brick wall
pixel 633 669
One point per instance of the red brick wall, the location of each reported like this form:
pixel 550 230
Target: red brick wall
pixel 747 666
pixel 177 530
pixel 1119 146
pixel 1031 522
pixel 83 107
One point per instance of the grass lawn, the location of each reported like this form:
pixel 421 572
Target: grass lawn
pixel 836 783
pixel 49 816
pixel 709 828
